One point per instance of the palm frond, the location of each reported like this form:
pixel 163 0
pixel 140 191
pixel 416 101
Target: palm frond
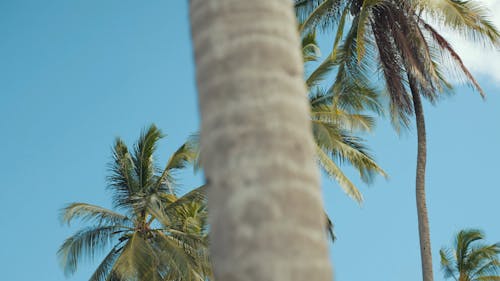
pixel 346 148
pixel 447 263
pixel 334 171
pixel 490 268
pixel 446 46
pixel 137 259
pixel 122 180
pixel 182 157
pixel 103 270
pixel 351 122
pixel 92 213
pixel 319 74
pixel 143 157
pixel 185 259
pixel 86 243
pixel 310 49
pixel 323 13
pixel 469 18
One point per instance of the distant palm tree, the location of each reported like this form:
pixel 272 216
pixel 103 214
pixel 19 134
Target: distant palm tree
pixel 395 36
pixel 156 235
pixel 471 260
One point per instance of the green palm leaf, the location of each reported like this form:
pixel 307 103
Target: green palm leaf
pixel 92 213
pixel 335 172
pixel 104 269
pixel 86 242
pixel 181 158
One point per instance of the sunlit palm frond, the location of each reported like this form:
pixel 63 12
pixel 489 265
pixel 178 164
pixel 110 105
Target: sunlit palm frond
pixel 351 122
pixel 325 111
pixel 92 213
pixel 470 19
pixel 346 148
pixel 362 22
pixel 334 171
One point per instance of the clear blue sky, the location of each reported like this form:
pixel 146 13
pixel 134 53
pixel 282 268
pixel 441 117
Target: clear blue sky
pixel 76 74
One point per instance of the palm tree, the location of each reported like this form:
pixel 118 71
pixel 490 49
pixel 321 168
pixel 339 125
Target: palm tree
pixel 409 51
pixel 471 260
pixel 153 234
pixel 257 148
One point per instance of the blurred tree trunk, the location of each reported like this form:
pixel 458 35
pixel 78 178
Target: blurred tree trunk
pixel 265 211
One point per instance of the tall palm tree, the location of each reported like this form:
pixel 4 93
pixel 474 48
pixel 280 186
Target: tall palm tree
pixel 470 259
pixel 264 200
pixel 409 51
pixel 152 233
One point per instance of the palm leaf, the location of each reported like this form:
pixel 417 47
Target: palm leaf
pixel 85 243
pixel 122 180
pixel 103 270
pixel 143 156
pixel 183 156
pixel 335 172
pixel 137 259
pixel 92 213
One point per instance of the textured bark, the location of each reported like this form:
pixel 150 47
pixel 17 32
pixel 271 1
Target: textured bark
pixel 423 218
pixel 265 209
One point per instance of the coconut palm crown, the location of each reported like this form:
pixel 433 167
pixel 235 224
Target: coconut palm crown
pixel 151 233
pixel 470 259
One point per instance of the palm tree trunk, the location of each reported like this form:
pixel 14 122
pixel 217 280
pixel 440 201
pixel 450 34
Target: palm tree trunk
pixel 423 219
pixel 265 210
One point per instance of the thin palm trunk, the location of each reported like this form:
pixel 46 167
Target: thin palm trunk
pixel 265 210
pixel 423 219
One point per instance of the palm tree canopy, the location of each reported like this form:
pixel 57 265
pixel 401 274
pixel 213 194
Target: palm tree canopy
pixel 158 237
pixel 398 38
pixel 470 259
